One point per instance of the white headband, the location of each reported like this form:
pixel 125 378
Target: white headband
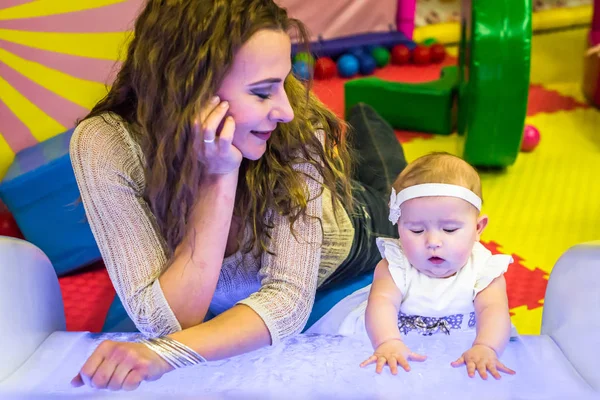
pixel 429 190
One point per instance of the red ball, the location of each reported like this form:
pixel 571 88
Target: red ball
pixel 421 55
pixel 325 68
pixel 400 54
pixel 438 52
pixel 8 226
pixel 531 138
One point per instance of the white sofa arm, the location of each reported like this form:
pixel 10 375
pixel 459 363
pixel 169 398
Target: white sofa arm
pixel 31 305
pixel 572 309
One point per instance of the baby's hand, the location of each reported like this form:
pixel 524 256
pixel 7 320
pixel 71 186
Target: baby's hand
pixel 482 358
pixel 392 353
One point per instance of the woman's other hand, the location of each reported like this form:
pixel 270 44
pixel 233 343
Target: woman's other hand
pixel 120 366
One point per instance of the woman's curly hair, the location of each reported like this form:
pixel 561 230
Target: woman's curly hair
pixel 176 60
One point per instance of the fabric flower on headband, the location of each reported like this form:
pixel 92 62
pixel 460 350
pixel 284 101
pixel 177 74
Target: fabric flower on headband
pixel 395 202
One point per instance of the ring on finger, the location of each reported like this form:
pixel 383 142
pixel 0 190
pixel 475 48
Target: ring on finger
pixel 209 140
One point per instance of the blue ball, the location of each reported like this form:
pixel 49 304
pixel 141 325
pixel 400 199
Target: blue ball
pixel 347 66
pixel 357 51
pixel 367 64
pixel 301 70
pixel 369 48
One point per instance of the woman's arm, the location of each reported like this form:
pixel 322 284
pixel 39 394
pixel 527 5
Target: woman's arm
pixel 190 280
pixel 278 309
pixel 236 331
pixel 383 306
pixel 110 178
pixel 124 365
pixel 492 316
pixel 282 305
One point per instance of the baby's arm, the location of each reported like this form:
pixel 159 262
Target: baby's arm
pixel 381 321
pixel 383 307
pixel 492 315
pixel 493 332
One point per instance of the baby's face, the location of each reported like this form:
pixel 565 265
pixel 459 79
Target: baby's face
pixel 437 234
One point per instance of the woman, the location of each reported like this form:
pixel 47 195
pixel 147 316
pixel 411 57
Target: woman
pixel 212 180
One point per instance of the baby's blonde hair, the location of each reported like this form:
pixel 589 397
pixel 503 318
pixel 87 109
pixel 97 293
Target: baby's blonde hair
pixel 439 167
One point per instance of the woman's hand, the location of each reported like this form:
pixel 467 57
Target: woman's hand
pixel 392 352
pixel 120 366
pixel 483 359
pixel 215 131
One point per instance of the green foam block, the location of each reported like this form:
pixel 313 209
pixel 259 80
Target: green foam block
pixel 423 107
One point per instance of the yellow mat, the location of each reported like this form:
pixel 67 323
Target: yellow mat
pixel 549 200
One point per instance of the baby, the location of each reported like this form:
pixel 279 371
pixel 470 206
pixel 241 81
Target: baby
pixel 437 277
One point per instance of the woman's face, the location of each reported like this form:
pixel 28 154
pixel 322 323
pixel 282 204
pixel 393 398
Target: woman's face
pixel 254 89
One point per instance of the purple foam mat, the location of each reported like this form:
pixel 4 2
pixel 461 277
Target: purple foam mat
pixel 336 47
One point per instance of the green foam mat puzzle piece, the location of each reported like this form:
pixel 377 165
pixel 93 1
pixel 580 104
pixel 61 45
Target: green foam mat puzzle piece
pixel 424 107
pixel 494 68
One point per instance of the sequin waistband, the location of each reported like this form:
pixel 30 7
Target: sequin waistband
pixel 427 326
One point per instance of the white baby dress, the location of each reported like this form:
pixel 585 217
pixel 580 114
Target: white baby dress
pixel 429 305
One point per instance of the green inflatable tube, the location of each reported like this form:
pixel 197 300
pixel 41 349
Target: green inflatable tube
pixel 494 68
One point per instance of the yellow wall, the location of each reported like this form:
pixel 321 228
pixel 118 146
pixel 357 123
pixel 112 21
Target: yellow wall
pixel 56 59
